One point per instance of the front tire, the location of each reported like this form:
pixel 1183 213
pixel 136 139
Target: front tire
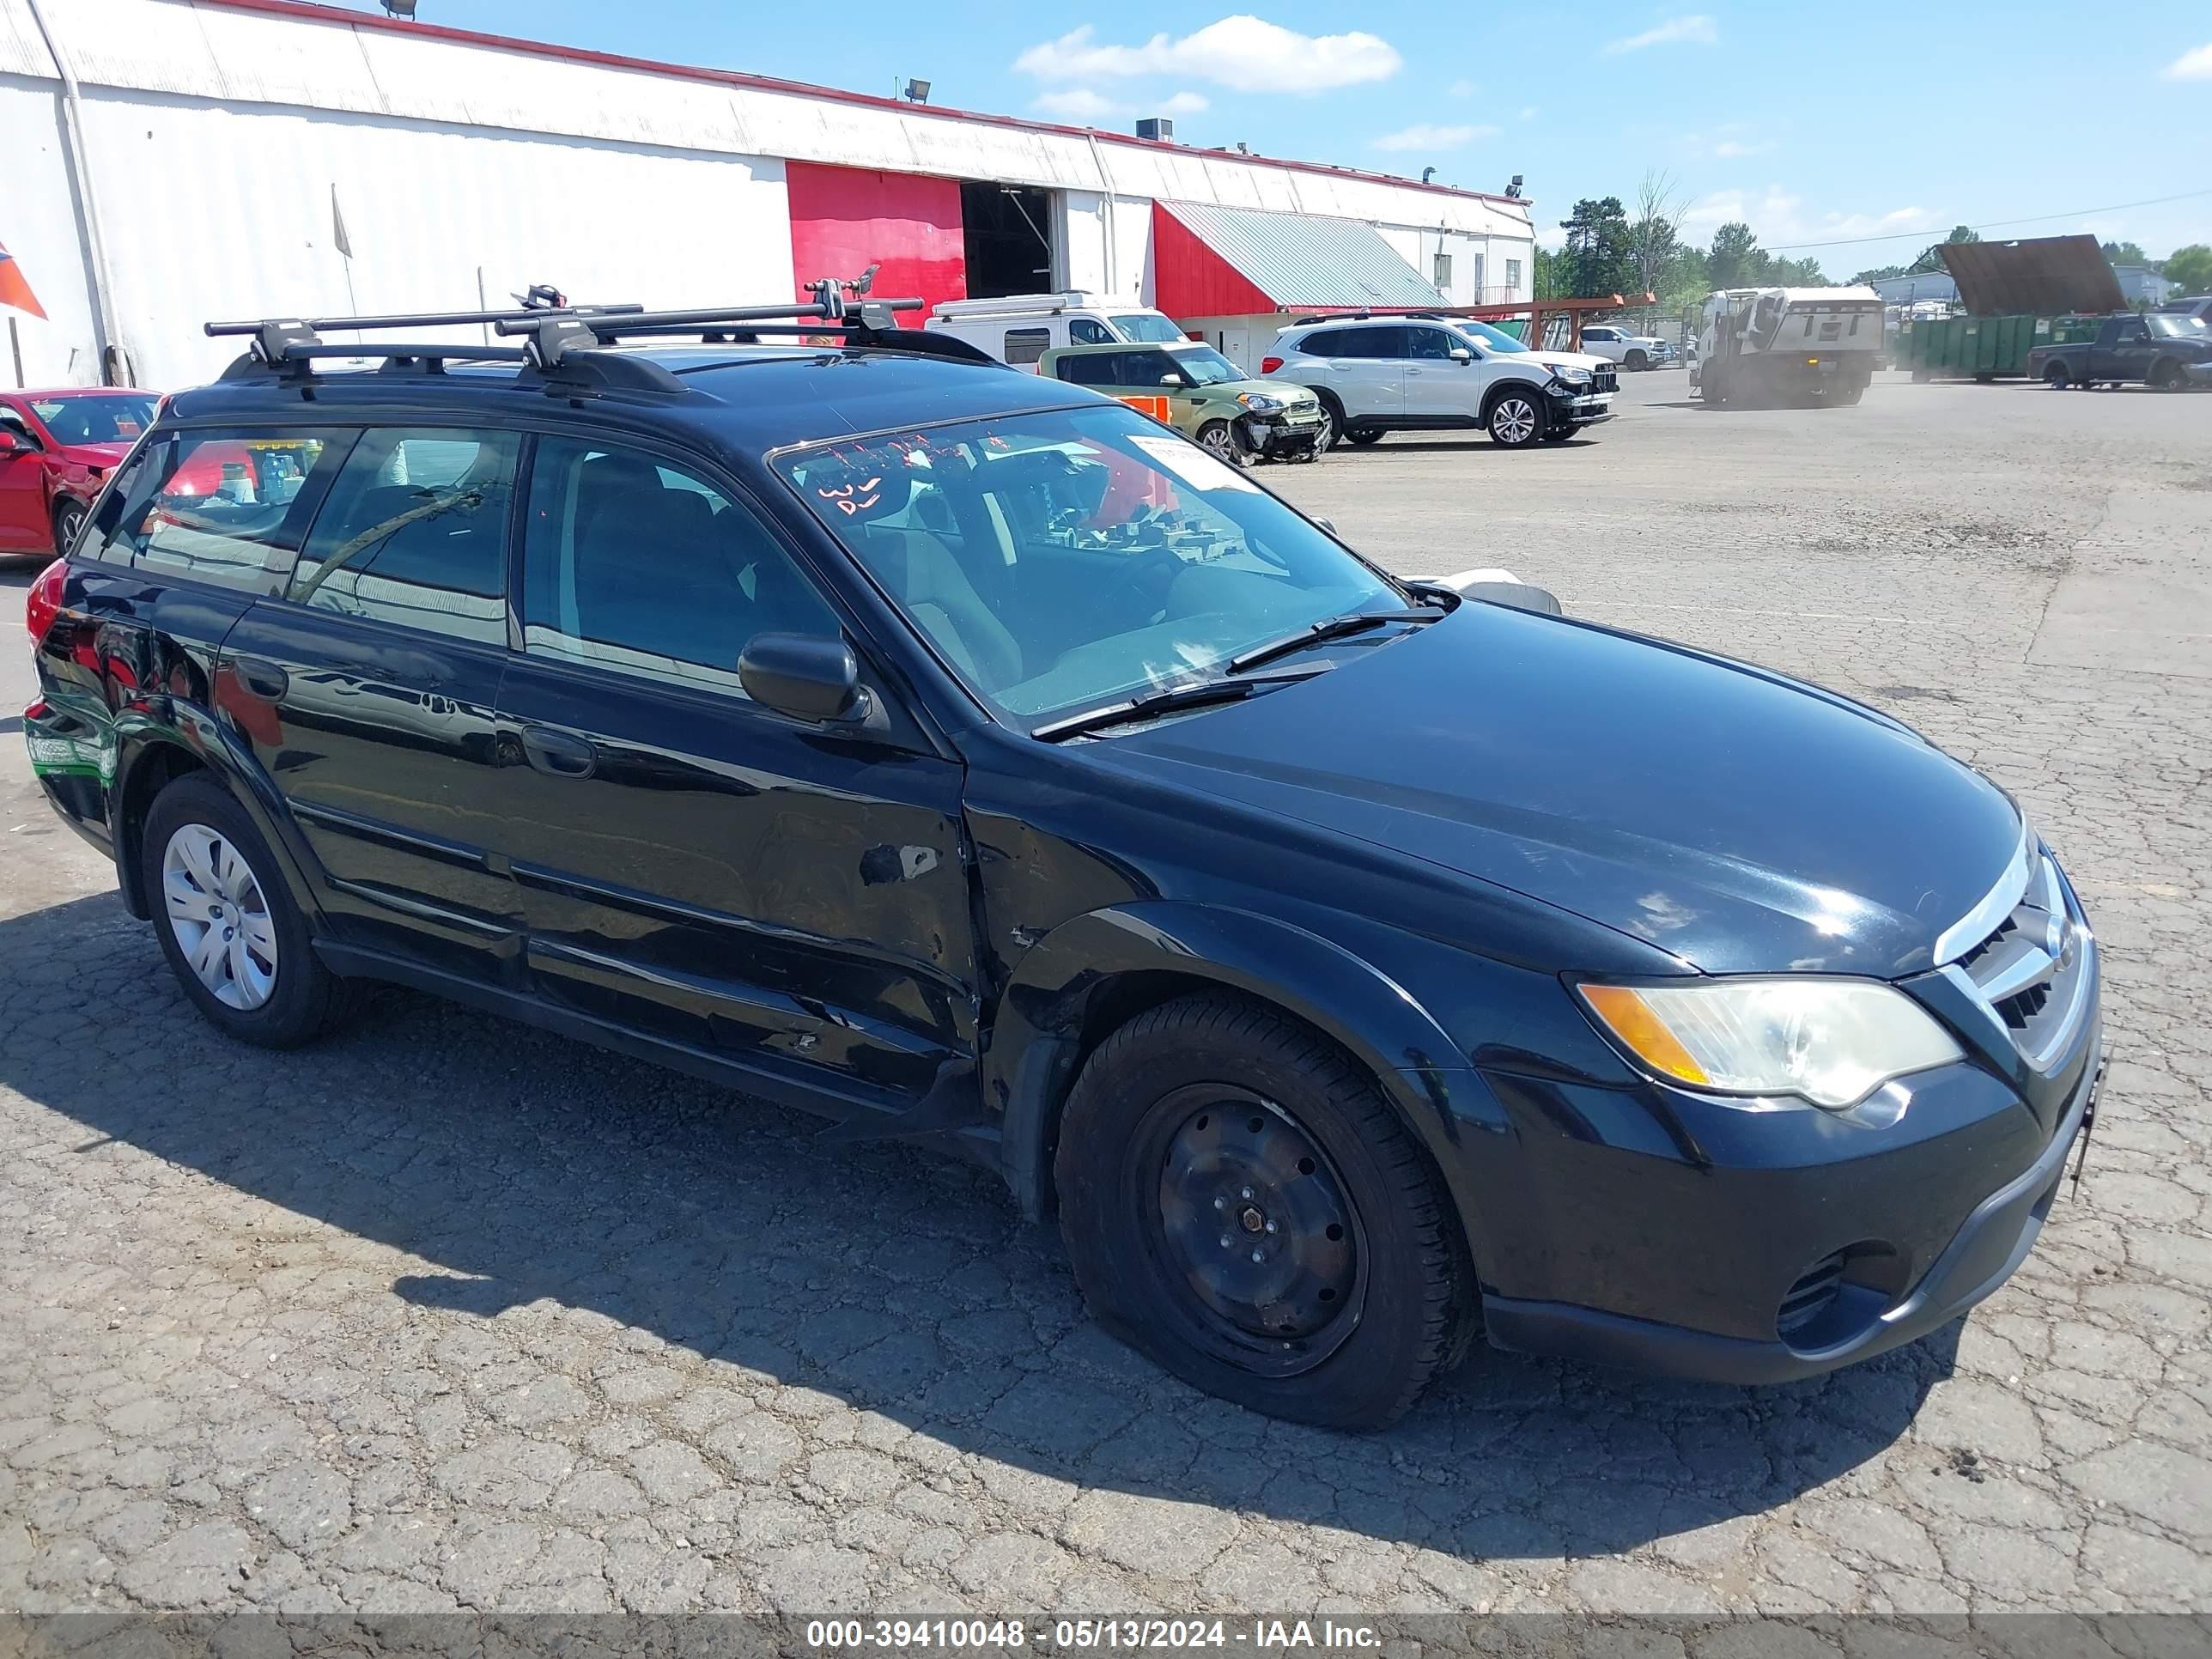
pixel 1219 439
pixel 236 942
pixel 1242 1205
pixel 1362 437
pixel 69 518
pixel 1515 420
pixel 1331 422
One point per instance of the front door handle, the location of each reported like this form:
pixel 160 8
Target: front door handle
pixel 264 680
pixel 562 754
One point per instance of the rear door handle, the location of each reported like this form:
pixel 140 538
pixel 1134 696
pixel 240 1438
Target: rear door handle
pixel 560 753
pixel 264 680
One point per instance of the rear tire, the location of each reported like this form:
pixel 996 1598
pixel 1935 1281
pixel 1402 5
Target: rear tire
pixel 2056 378
pixel 1213 1118
pixel 1636 362
pixel 218 897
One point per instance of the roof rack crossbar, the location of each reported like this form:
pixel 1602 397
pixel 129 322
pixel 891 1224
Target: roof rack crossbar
pixel 410 350
pixel 418 319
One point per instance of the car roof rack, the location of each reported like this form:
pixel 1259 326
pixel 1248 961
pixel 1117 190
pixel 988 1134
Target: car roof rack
pixel 564 345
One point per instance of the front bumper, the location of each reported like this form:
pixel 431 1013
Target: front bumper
pixel 1586 409
pixel 1293 433
pixel 1988 1247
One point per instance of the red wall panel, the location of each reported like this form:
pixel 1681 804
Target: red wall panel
pixel 845 219
pixel 1189 279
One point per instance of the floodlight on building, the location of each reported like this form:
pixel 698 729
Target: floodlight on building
pixel 917 92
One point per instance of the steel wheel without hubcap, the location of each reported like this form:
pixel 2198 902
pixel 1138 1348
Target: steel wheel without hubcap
pixel 1514 421
pixel 219 916
pixel 1258 1248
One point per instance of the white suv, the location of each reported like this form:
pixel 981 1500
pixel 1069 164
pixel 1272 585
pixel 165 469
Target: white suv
pixel 1631 351
pixel 1425 374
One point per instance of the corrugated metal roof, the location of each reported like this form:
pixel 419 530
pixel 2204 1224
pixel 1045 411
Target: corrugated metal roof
pixel 2041 276
pixel 1299 261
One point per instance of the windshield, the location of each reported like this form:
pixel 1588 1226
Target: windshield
pixel 1148 328
pixel 108 419
pixel 2177 328
pixel 1062 560
pixel 1482 334
pixel 1206 366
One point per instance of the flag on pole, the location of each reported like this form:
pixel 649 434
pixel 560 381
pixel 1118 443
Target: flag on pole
pixel 338 237
pixel 14 290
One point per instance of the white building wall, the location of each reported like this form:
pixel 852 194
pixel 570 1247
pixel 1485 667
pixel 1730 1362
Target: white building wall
pixel 215 136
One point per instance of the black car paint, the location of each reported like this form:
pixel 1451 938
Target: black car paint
pixel 1414 853
pixel 2123 352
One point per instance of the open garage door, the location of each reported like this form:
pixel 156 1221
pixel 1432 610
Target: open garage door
pixel 1008 237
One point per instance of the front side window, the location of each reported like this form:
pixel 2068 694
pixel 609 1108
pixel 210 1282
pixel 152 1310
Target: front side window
pixel 1088 331
pixel 1431 343
pixel 228 507
pixel 415 533
pixel 1069 557
pixel 634 565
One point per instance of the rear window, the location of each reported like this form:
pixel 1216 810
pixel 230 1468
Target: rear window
pixel 228 507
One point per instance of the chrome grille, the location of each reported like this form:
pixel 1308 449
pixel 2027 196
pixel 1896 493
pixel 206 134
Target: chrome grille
pixel 2031 971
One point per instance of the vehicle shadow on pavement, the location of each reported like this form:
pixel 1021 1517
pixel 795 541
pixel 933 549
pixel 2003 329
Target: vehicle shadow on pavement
pixel 534 1203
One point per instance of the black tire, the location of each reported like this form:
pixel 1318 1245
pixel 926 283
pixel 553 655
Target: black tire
pixel 2056 377
pixel 2166 376
pixel 1559 434
pixel 69 518
pixel 1360 437
pixel 1300 1133
pixel 1332 415
pixel 1516 418
pixel 1636 362
pixel 1715 393
pixel 1219 439
pixel 306 998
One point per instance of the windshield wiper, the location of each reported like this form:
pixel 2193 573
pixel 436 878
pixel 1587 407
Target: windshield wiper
pixel 1331 628
pixel 1153 704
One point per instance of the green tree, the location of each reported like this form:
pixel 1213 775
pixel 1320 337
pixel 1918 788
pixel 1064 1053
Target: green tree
pixel 1796 273
pixel 1877 273
pixel 1551 283
pixel 2128 253
pixel 2191 267
pixel 1736 258
pixel 1598 257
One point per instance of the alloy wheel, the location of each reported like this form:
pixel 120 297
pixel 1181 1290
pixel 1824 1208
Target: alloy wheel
pixel 220 917
pixel 1514 421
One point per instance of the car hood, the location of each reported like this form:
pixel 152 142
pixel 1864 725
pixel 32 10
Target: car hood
pixel 1740 821
pixel 1297 396
pixel 1574 359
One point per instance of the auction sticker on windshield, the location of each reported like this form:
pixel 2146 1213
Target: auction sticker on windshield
pixel 1193 464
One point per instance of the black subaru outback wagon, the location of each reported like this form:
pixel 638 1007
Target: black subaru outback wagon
pixel 1354 965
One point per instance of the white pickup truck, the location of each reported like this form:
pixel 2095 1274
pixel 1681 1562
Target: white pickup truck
pixel 1632 352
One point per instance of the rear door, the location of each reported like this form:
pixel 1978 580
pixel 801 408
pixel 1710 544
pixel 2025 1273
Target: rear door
pixel 368 688
pixel 1366 367
pixel 695 865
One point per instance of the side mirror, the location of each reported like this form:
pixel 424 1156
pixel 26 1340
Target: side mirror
pixel 1503 587
pixel 805 676
pixel 1172 378
pixel 1462 355
pixel 13 440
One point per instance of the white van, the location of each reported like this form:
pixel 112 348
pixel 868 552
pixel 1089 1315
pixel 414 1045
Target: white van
pixel 1022 328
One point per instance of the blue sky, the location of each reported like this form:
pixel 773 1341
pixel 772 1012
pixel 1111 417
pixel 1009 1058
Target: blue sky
pixel 1814 124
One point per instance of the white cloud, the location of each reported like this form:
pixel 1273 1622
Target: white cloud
pixel 1696 29
pixel 1462 88
pixel 2192 65
pixel 1776 217
pixel 1243 52
pixel 1729 150
pixel 1085 104
pixel 1424 135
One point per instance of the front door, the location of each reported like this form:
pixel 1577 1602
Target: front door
pixel 787 897
pixel 367 688
pixel 24 525
pixel 1438 386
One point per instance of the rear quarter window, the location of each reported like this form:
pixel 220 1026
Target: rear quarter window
pixel 228 507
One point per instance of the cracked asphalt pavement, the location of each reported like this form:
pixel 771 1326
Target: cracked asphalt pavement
pixel 449 1314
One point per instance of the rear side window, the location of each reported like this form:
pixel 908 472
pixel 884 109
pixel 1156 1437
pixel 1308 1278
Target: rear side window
pixel 1026 345
pixel 227 507
pixel 634 565
pixel 1088 368
pixel 415 533
pixel 1355 343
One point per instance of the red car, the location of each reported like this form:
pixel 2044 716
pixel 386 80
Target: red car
pixel 56 449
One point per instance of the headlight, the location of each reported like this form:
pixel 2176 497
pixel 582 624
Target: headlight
pixel 1570 374
pixel 1261 403
pixel 1833 1041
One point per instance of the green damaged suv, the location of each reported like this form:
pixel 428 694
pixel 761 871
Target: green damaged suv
pixel 1202 394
